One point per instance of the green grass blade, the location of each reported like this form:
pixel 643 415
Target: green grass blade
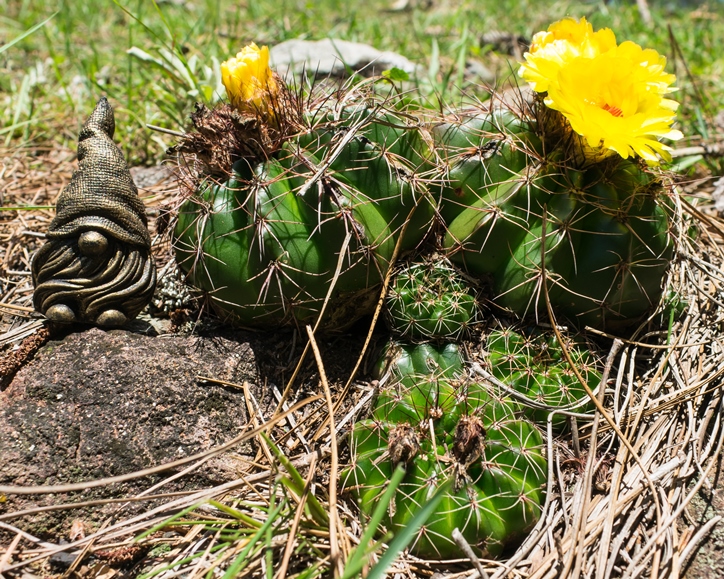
pixel 27 33
pixel 26 207
pixel 242 558
pixel 357 559
pixel 236 514
pixel 162 524
pixel 403 538
pixel 179 563
pixel 296 483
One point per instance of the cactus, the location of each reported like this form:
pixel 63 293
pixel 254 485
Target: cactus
pixel 561 200
pixel 517 201
pixel 265 243
pixel 444 428
pixel 405 363
pixel 430 301
pixel 534 364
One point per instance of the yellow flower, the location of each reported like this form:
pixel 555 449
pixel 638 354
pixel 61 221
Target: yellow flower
pixel 615 101
pixel 250 83
pixel 562 42
pixel 612 95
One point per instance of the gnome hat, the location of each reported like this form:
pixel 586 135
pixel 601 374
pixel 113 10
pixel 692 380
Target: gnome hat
pixel 101 195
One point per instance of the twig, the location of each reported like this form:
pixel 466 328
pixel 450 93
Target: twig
pixel 7 556
pixel 333 513
pixel 291 539
pixel 693 544
pixel 165 131
pixel 18 308
pixel 332 285
pixel 79 558
pixel 645 13
pixel 465 548
pixel 710 150
pixel 26 536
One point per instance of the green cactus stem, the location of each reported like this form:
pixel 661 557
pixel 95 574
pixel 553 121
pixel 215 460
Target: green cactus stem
pixel 534 364
pixel 431 301
pixel 265 243
pixel 443 428
pixel 515 204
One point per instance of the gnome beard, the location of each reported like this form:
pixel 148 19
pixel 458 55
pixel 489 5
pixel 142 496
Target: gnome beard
pixel 96 266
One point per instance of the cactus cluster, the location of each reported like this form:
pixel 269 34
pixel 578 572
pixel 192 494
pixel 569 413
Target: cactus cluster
pixel 596 237
pixel 445 428
pixel 545 205
pixel 534 364
pixel 431 301
pixel 265 244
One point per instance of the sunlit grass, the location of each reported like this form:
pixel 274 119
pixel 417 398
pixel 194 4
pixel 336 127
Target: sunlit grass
pixel 50 80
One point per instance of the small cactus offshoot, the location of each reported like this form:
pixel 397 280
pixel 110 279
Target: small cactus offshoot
pixel 534 364
pixel 431 301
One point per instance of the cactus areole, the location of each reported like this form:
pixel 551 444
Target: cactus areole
pixel 445 429
pixel 519 209
pixel 325 210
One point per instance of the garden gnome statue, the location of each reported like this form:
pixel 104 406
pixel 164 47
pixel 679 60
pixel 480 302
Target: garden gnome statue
pixel 96 266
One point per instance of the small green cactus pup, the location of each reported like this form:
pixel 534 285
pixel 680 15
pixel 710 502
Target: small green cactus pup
pixel 403 362
pixel 515 203
pixel 431 301
pixel 443 429
pixel 264 244
pixel 534 364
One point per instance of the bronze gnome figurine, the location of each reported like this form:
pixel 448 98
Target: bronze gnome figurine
pixel 96 266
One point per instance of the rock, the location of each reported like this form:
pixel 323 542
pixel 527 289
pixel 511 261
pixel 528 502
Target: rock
pixel 476 71
pixel 336 58
pixel 146 177
pixel 97 404
pixel 505 43
pixel 708 559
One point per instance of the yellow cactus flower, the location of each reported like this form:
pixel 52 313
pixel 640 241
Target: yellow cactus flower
pixel 562 42
pixel 615 101
pixel 250 83
pixel 611 95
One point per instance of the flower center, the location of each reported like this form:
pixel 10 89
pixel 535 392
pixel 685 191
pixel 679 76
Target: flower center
pixel 614 110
